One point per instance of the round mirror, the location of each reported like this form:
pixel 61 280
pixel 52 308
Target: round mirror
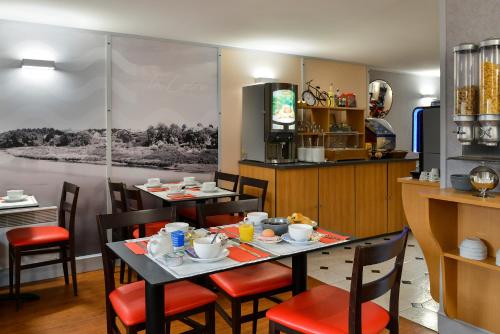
pixel 380 94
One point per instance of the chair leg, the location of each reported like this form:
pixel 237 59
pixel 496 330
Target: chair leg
pixel 168 324
pixel 122 271
pixel 129 274
pixel 17 268
pixel 272 328
pixel 63 256
pixel 236 316
pixel 11 270
pixel 255 311
pixel 210 319
pixel 73 271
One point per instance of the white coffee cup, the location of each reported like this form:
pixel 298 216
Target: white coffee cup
pixel 424 176
pixel 176 226
pixel 175 188
pixel 154 181
pixel 15 194
pixel 434 174
pixel 300 232
pixel 256 218
pixel 309 154
pixel 205 249
pixel 189 180
pixel 301 153
pixel 318 154
pixel 208 186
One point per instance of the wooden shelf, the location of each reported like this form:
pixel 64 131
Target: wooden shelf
pixel 304 106
pixel 464 197
pixel 488 263
pixel 410 180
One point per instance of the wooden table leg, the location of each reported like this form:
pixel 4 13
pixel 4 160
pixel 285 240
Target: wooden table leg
pixel 299 273
pixel 155 306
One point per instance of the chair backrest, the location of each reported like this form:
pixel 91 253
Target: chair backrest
pixel 254 187
pixel 227 178
pixel 134 199
pixel 67 207
pixel 119 221
pixel 360 293
pixel 118 197
pixel 221 208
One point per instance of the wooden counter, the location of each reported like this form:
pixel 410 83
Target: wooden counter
pixel 470 288
pixel 360 198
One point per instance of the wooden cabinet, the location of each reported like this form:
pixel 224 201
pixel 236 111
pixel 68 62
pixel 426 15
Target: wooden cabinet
pixel 297 191
pixel 396 217
pixel 371 199
pixel 337 211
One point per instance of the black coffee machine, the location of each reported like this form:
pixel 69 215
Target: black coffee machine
pixel 268 127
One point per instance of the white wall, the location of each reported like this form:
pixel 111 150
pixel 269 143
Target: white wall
pixel 406 91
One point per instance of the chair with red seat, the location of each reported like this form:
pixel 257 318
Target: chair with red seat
pixel 223 180
pixel 35 240
pixel 328 309
pixel 128 302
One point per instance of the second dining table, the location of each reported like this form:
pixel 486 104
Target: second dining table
pixel 156 274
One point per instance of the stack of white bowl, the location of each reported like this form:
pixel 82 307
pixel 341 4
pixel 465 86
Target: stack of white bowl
pixel 498 258
pixel 474 249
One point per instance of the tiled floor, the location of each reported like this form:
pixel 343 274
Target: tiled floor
pixel 415 303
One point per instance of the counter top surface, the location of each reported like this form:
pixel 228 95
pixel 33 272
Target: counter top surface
pixel 293 165
pixel 410 180
pixel 464 197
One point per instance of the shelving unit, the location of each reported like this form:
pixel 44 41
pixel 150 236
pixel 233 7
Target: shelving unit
pixel 328 116
pixel 488 263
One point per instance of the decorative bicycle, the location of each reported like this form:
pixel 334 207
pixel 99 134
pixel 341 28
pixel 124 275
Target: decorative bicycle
pixel 313 95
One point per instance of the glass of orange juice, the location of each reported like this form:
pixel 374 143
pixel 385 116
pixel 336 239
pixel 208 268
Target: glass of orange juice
pixel 246 232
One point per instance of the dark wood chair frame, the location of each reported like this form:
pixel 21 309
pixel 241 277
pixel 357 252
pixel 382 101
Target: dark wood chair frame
pixel 361 293
pixel 236 319
pixel 61 247
pixel 254 183
pixel 128 220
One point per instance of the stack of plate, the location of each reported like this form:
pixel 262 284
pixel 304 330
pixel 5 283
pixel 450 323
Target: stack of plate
pixel 474 249
pixel 498 258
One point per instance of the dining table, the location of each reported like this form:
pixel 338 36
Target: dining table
pixel 157 273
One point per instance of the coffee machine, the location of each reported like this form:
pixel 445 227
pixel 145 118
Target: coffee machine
pixel 268 127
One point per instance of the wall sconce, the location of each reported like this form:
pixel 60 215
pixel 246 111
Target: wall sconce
pixel 264 80
pixel 36 63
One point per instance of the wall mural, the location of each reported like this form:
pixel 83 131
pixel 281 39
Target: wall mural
pixel 164 110
pixel 53 122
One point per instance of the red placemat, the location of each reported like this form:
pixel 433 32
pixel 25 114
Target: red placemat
pixel 157 189
pixel 137 247
pixel 241 255
pixel 332 237
pixel 177 197
pixel 230 231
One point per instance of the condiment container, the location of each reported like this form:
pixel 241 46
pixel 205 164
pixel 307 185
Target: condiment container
pixel 489 76
pixel 466 79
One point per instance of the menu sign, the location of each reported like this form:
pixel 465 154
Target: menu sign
pixel 283 107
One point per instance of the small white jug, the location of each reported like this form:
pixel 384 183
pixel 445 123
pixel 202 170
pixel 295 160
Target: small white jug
pixel 160 244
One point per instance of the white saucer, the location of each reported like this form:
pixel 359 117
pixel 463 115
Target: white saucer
pixel 210 191
pixel 286 237
pixel 153 185
pixel 223 255
pixel 277 240
pixel 176 192
pixel 190 184
pixel 15 200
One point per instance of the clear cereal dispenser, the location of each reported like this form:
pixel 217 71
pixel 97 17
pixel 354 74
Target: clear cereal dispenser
pixel 489 92
pixel 465 58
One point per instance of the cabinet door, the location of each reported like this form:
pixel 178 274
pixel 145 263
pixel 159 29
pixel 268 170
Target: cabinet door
pixel 396 219
pixel 337 199
pixel 371 199
pixel 297 191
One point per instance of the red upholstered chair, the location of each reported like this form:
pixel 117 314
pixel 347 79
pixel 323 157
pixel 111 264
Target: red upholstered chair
pixel 224 180
pixel 60 239
pixel 327 309
pixel 128 302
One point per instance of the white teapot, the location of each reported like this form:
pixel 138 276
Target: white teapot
pixel 160 244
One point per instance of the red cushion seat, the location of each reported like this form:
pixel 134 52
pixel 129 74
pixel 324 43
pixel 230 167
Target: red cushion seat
pixel 36 235
pixel 129 301
pixel 188 212
pixel 218 220
pixel 151 229
pixel 325 309
pixel 254 279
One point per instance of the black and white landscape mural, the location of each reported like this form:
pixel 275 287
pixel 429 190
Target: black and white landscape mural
pixel 164 118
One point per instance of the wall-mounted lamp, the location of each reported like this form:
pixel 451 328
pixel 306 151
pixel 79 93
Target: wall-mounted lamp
pixel 49 64
pixel 264 80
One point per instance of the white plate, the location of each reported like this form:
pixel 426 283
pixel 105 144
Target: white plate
pixel 176 192
pixel 191 184
pixel 286 237
pixel 159 185
pixel 223 255
pixel 278 240
pixel 15 200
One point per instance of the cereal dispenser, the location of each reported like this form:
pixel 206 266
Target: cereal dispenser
pixel 489 97
pixel 466 91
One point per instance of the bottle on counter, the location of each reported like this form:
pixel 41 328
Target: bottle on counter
pixel 331 95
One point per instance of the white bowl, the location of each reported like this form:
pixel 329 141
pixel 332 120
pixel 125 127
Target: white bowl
pixel 208 186
pixel 300 232
pixel 189 180
pixel 205 249
pixel 154 181
pixel 473 244
pixel 15 194
pixel 177 226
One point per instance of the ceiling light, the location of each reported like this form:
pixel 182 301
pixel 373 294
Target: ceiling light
pixel 264 80
pixel 49 64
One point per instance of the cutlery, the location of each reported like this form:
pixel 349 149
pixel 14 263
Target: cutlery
pixel 227 232
pixel 246 250
pixel 215 236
